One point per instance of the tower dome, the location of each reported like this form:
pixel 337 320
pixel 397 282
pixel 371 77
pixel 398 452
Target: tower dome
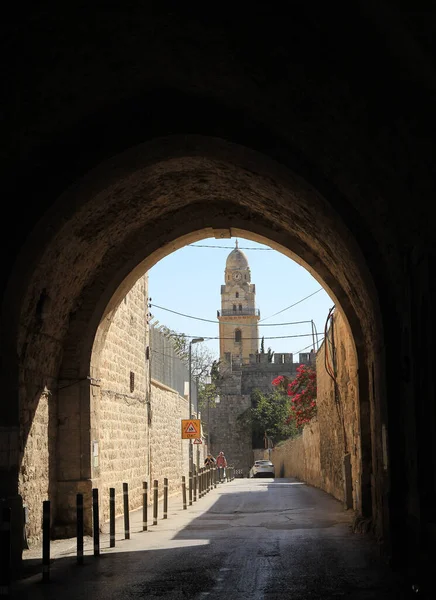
pixel 236 259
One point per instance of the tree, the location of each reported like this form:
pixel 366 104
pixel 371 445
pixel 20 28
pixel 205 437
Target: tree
pixel 302 393
pixel 201 359
pixel 268 416
pixel 270 355
pixel 262 345
pixel 207 389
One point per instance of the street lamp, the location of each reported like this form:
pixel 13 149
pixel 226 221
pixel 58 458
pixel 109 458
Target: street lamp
pixel 191 457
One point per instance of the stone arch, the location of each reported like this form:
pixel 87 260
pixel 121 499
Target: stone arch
pixel 133 210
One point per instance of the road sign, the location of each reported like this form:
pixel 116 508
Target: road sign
pixel 197 441
pixel 190 428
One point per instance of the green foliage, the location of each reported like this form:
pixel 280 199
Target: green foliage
pixel 270 355
pixel 268 416
pixel 262 345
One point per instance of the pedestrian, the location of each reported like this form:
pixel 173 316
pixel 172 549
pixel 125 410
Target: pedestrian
pixel 221 464
pixel 209 461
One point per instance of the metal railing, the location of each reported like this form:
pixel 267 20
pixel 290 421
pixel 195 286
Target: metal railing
pixel 228 312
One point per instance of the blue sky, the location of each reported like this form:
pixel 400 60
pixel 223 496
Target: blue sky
pixel 189 280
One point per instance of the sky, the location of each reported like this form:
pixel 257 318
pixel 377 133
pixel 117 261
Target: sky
pixel 189 281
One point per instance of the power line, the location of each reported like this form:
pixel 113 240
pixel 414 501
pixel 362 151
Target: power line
pixel 229 247
pixel 309 346
pixel 277 337
pixel 229 322
pixel 292 305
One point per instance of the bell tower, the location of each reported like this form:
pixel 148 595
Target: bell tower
pixel 238 317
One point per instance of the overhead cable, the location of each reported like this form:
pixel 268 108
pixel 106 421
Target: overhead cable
pixel 175 312
pixel 292 305
pixel 228 247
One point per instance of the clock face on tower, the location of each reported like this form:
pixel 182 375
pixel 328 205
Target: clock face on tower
pixel 237 276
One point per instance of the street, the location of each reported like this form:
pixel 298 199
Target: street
pixel 246 539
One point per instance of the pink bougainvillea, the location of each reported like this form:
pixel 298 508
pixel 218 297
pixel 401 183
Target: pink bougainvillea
pixel 302 391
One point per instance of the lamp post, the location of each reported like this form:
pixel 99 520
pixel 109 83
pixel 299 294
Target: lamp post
pixel 193 341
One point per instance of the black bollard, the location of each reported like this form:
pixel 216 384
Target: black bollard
pixel 144 505
pixel 111 517
pixel 95 522
pixel 155 500
pixel 46 541
pixel 126 511
pixel 165 502
pixel 190 488
pixel 184 492
pixel 79 528
pixel 5 551
pixel 214 477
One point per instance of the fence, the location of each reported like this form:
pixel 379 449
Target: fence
pixel 167 367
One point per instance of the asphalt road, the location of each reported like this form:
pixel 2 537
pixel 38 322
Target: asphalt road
pixel 247 539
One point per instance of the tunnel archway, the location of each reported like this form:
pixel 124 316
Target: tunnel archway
pixel 130 212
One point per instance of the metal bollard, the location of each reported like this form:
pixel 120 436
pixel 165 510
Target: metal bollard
pixel 184 492
pixel 111 517
pixel 5 551
pixel 165 503
pixel 155 500
pixel 214 477
pixel 195 485
pixel 201 484
pixel 46 541
pixel 126 511
pixel 144 505
pixel 95 522
pixel 79 528
pixel 190 488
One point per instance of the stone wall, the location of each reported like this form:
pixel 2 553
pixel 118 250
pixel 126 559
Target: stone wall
pixel 319 455
pixel 136 422
pixel 36 477
pixel 229 434
pixel 299 457
pixel 338 412
pixel 120 420
pixel 169 454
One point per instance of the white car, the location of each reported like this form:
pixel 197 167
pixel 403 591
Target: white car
pixel 262 468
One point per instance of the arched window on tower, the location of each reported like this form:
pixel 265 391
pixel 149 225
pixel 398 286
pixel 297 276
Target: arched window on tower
pixel 240 308
pixel 237 294
pixel 238 336
pixel 234 307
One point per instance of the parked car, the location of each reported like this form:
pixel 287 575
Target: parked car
pixel 262 468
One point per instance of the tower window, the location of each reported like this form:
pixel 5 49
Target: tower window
pixel 238 336
pixel 234 307
pixel 237 294
pixel 240 307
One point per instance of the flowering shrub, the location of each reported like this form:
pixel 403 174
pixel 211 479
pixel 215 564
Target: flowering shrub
pixel 302 391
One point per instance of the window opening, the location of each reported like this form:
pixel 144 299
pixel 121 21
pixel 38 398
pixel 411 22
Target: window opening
pixel 132 381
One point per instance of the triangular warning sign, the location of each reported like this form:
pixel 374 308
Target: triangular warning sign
pixel 191 428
